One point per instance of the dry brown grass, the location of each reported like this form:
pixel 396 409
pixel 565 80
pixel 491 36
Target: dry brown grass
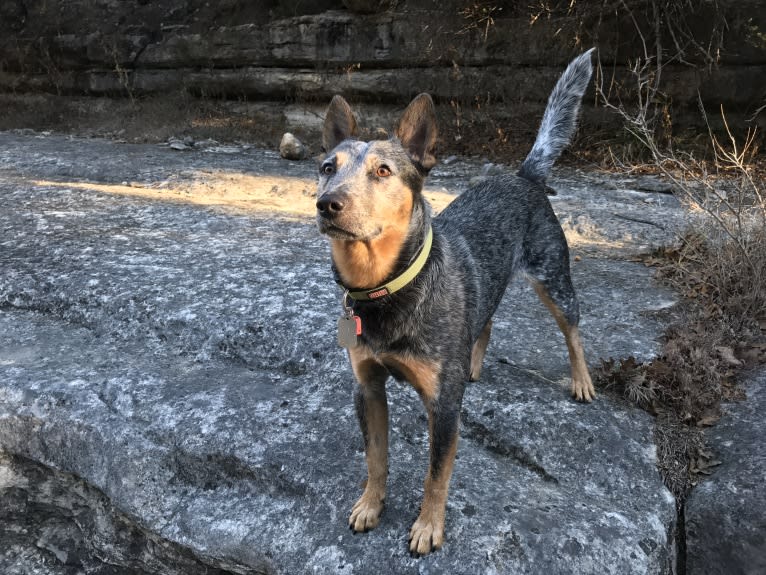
pixel 719 265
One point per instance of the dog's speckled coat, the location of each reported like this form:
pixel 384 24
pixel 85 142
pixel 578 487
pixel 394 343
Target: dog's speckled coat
pixel 434 331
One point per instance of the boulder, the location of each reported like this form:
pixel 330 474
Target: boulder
pixel 172 397
pixel 726 514
pixel 291 148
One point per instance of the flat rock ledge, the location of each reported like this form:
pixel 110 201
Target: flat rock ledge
pixel 172 399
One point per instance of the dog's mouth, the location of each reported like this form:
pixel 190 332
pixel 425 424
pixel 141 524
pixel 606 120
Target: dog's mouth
pixel 333 230
pixel 336 232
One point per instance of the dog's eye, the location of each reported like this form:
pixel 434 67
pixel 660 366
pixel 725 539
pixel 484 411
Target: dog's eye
pixel 327 169
pixel 383 171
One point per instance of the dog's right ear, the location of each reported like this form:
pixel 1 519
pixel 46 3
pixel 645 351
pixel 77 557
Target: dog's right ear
pixel 339 123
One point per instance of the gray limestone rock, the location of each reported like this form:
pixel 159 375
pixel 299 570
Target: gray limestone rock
pixel 74 527
pixel 179 144
pixel 726 514
pixel 375 50
pixel 171 367
pixel 291 148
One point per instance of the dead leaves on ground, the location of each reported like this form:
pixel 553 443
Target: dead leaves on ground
pixel 684 388
pixel 704 463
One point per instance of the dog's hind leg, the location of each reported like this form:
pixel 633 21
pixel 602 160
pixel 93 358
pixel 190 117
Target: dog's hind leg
pixel 559 297
pixel 478 351
pixel 372 411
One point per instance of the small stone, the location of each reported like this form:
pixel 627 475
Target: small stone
pixel 177 144
pixel 291 148
pixel 654 184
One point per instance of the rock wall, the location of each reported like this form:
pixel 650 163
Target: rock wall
pixel 491 56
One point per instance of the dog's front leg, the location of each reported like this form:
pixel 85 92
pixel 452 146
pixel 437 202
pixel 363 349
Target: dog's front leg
pixel 427 533
pixel 372 411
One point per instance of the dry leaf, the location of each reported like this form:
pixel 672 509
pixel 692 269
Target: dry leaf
pixel 708 419
pixel 727 354
pixel 753 353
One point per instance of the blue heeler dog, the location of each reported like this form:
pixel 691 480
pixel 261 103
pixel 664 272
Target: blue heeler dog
pixel 420 292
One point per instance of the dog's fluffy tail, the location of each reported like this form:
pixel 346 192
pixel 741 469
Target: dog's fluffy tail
pixel 559 119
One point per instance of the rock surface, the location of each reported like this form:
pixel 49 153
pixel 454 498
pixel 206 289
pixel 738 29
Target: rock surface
pixel 726 514
pixel 168 365
pixel 74 527
pixel 291 148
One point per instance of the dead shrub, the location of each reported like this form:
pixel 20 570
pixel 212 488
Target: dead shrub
pixel 719 265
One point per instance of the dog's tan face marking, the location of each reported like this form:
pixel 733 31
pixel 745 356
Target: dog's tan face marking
pixel 367 190
pixel 377 206
pixel 582 386
pixel 341 159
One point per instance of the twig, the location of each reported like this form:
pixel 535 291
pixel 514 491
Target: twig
pixel 638 220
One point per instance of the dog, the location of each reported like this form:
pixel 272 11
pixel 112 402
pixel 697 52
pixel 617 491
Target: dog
pixel 420 292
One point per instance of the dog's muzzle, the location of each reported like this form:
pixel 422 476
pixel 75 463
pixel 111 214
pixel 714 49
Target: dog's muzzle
pixel 330 208
pixel 330 205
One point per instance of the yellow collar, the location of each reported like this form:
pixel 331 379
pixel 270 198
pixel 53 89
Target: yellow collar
pixel 400 281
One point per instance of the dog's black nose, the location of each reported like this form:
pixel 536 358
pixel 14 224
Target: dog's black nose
pixel 330 205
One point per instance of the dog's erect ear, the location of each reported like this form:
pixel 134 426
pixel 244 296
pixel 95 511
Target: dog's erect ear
pixel 417 131
pixel 339 123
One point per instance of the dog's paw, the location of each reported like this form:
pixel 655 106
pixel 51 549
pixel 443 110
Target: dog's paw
pixel 365 514
pixel 426 535
pixel 582 388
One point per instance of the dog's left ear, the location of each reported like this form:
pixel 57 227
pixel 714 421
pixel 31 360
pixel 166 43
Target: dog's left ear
pixel 417 131
pixel 339 123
